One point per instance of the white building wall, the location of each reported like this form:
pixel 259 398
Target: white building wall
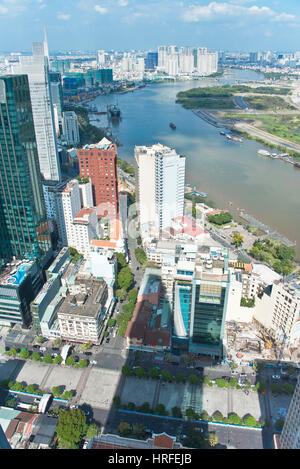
pixel 36 67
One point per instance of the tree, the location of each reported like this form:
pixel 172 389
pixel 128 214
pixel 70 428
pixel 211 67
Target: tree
pixel 86 346
pixel 166 375
pixel 67 395
pixel 206 380
pixel 31 388
pixel 129 308
pixel 140 372
pixel 18 386
pixel 132 295
pixel 176 412
pixel 56 391
pixel 153 373
pixel 195 439
pixel 47 359
pixel 125 278
pixel 190 413
pixel 232 383
pixel 131 406
pixel 39 340
pixel 140 255
pixel 11 403
pixel 92 431
pixel 217 416
pixel 83 364
pixel 70 361
pixel 121 294
pixel 160 409
pixel 57 360
pixel 234 419
pixel 71 426
pixel 121 260
pixel 279 424
pixel 138 430
pixel 35 356
pixel 221 383
pixel 249 421
pixel 12 352
pixel 238 240
pixel 111 322
pixel 24 353
pixel 205 416
pixel 124 429
pixel 212 439
pixel 145 407
pixel 193 379
pixel 126 370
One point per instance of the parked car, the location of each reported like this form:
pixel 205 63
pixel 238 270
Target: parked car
pixel 107 340
pixel 93 362
pixel 275 376
pixel 85 445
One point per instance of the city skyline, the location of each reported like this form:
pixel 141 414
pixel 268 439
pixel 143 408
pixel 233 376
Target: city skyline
pixel 264 25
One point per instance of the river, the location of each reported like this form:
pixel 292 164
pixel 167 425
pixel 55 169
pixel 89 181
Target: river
pixel 267 189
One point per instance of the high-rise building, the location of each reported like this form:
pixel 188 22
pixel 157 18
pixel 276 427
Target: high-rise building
pixel 151 61
pixel 71 128
pixel 25 245
pixel 22 207
pixel 290 436
pixel 37 69
pixel 160 191
pixel 99 163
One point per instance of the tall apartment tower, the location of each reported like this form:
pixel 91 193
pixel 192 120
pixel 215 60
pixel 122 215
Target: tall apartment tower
pixel 37 69
pixel 70 128
pixel 160 191
pixel 99 163
pixel 290 436
pixel 24 227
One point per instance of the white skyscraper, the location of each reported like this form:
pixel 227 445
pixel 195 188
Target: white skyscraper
pixel 161 176
pixel 37 69
pixel 70 128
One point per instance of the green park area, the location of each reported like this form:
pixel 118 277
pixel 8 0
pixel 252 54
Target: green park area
pixel 284 126
pixel 279 257
pixel 222 97
pixel 220 219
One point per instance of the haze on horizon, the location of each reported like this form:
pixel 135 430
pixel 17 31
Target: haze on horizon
pixel 242 25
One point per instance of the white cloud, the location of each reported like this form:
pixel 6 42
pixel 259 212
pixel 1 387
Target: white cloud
pixel 101 10
pixel 63 16
pixel 234 9
pixel 123 3
pixel 3 10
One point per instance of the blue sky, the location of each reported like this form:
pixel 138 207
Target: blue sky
pixel 131 24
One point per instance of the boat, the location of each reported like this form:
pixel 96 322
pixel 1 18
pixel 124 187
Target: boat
pixel 172 125
pixel 236 139
pixel 228 136
pixel 222 133
pixel 114 110
pixel 264 153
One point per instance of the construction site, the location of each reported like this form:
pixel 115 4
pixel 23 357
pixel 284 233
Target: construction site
pixel 246 343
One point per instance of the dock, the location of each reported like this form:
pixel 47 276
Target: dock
pixel 270 233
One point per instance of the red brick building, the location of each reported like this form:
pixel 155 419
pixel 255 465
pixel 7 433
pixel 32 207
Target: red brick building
pixel 99 163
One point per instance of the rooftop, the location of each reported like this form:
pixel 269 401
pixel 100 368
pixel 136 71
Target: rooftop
pixel 87 303
pixel 104 144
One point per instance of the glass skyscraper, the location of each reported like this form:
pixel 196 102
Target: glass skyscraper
pixel 24 231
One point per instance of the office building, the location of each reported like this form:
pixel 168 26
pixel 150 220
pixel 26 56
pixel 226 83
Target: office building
pixel 290 436
pixel 151 61
pixel 99 163
pixel 201 288
pixel 22 209
pixel 81 315
pixel 37 69
pixel 160 187
pixel 70 128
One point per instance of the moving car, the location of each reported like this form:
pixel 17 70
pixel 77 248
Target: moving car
pixel 275 376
